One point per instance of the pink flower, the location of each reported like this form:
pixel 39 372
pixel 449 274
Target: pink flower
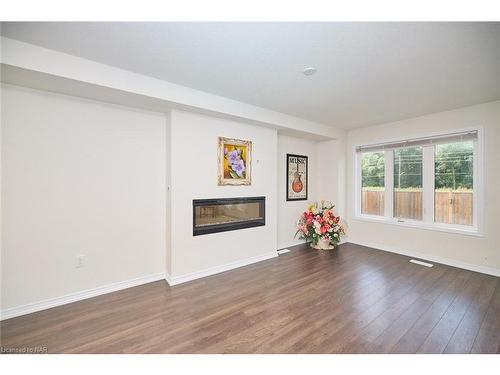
pixel 321 222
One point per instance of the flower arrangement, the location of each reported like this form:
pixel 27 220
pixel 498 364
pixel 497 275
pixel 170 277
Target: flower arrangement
pixel 320 227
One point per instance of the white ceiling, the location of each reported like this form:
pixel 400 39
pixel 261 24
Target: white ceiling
pixel 368 73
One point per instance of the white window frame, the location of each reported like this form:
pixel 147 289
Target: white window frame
pixel 427 221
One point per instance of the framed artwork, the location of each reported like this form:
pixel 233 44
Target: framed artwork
pixel 235 161
pixel 296 177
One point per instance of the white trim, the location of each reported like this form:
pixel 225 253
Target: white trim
pixel 77 296
pixel 291 244
pixel 168 278
pixel 415 224
pixel 432 258
pixel 357 182
pixel 428 184
pixel 175 280
pixel 388 183
pixel 478 182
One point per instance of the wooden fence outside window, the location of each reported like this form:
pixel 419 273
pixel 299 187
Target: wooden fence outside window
pixel 452 207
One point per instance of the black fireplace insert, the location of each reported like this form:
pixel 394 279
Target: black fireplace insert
pixel 225 214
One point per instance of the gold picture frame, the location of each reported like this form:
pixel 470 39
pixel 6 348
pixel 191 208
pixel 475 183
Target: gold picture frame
pixel 235 162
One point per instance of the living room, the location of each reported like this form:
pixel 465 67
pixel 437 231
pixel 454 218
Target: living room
pixel 330 187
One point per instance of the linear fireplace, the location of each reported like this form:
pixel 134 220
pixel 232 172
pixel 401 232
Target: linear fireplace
pixel 224 214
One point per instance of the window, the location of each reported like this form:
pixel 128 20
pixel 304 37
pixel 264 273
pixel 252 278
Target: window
pixel 408 183
pixel 372 183
pixel 454 190
pixel 427 182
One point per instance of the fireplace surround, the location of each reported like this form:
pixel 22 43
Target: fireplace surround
pixel 226 214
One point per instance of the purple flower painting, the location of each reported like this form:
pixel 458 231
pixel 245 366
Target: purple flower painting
pixel 234 161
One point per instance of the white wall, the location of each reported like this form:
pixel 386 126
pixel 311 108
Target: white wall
pixel 289 212
pixel 326 181
pixel 78 177
pixel 332 173
pixel 168 183
pixel 194 176
pixel 459 249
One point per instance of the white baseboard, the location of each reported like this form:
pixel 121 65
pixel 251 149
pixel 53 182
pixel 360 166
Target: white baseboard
pixel 168 278
pixel 432 258
pixel 78 296
pixel 175 280
pixel 291 244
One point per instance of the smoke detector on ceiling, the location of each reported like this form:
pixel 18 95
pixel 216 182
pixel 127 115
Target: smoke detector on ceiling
pixel 309 71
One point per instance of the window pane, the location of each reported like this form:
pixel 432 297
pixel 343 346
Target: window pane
pixel 453 177
pixel 408 183
pixel 372 183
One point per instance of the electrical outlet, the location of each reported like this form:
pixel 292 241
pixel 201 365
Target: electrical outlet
pixel 80 261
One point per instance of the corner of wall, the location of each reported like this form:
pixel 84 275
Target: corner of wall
pixel 168 184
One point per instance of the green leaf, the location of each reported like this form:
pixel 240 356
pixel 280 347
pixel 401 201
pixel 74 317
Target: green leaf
pixel 233 174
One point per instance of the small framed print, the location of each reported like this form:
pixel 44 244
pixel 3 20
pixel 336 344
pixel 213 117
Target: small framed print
pixel 296 177
pixel 235 161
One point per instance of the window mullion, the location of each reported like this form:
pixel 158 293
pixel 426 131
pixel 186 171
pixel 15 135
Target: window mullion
pixel 358 184
pixel 389 184
pixel 428 184
pixel 476 181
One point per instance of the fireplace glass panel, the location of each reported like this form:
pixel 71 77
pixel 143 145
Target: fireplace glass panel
pixel 218 215
pixel 229 213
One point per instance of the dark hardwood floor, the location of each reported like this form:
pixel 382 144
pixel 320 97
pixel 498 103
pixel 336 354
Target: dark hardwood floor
pixel 352 300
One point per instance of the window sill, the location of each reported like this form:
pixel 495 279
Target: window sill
pixel 472 231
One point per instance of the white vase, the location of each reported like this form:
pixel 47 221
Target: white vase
pixel 322 245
